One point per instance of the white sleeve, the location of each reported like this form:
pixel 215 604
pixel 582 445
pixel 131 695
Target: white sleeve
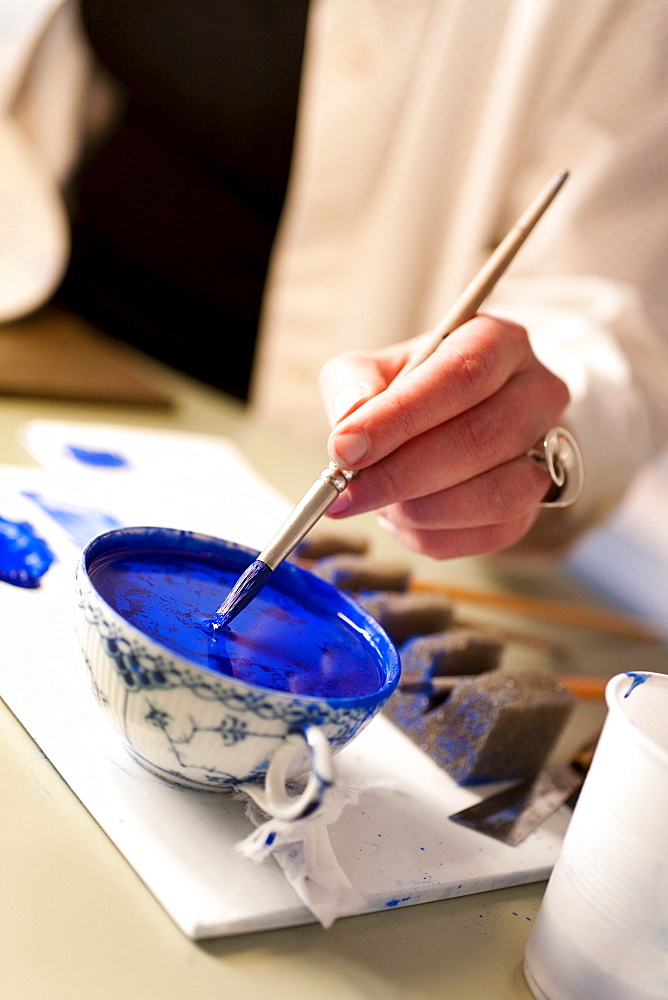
pixel 591 284
pixel 595 335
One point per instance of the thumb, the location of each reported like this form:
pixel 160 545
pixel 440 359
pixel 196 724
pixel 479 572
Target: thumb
pixel 348 380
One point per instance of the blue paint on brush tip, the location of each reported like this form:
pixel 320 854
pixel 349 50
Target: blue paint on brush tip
pixel 637 678
pixel 248 586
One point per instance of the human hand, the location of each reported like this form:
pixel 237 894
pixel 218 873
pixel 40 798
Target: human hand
pixel 444 447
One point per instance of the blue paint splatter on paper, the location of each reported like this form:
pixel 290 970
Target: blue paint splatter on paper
pixel 80 523
pixel 397 902
pixel 24 556
pixel 100 459
pixel 637 678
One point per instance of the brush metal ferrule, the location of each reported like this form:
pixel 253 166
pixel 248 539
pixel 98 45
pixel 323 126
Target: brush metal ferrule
pixel 311 507
pixel 339 478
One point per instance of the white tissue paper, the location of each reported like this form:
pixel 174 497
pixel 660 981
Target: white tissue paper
pixel 303 850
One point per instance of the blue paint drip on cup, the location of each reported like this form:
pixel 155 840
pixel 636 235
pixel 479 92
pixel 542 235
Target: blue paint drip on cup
pixel 637 678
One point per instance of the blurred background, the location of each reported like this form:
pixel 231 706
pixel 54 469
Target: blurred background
pixel 145 150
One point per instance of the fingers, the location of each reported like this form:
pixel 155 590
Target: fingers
pixel 482 439
pixel 442 451
pixel 460 542
pixel 471 365
pixel 350 379
pixel 486 514
pixel 502 495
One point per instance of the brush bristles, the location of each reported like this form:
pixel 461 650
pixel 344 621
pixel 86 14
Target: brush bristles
pixel 248 586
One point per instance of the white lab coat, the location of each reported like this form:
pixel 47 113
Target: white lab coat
pixel 424 129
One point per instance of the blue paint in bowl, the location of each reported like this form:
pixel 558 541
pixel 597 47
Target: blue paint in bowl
pixel 300 635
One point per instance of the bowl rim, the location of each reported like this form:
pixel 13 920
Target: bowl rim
pixel 620 687
pixel 282 574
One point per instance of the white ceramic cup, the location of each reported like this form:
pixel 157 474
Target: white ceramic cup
pixel 602 929
pixel 196 727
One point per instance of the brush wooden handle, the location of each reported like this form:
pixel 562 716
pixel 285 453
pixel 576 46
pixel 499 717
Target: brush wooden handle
pixel 547 609
pixel 483 283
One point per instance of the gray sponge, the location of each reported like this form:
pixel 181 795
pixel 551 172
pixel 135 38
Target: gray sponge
pixel 450 653
pixel 497 726
pixel 320 544
pixel 408 614
pixel 358 572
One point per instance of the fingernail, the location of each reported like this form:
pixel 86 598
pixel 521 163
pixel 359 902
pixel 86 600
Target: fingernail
pixel 348 448
pixel 385 523
pixel 341 504
pixel 347 399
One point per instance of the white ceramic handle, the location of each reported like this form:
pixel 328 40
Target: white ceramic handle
pixel 279 803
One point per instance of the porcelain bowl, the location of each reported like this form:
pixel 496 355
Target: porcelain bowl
pixel 191 724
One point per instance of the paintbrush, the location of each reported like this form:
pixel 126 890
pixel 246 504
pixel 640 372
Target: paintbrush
pixel 333 481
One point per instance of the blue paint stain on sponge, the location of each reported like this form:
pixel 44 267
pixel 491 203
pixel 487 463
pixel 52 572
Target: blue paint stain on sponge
pixel 497 726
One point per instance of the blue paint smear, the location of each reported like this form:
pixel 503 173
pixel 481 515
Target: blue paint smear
pixel 24 556
pixel 396 902
pixel 100 459
pixel 638 678
pixel 80 523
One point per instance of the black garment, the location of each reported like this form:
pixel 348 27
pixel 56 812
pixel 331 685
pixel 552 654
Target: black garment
pixel 174 216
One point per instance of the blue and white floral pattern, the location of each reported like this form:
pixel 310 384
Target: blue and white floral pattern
pixel 186 723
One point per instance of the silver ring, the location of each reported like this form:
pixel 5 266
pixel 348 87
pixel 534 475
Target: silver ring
pixel 562 459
